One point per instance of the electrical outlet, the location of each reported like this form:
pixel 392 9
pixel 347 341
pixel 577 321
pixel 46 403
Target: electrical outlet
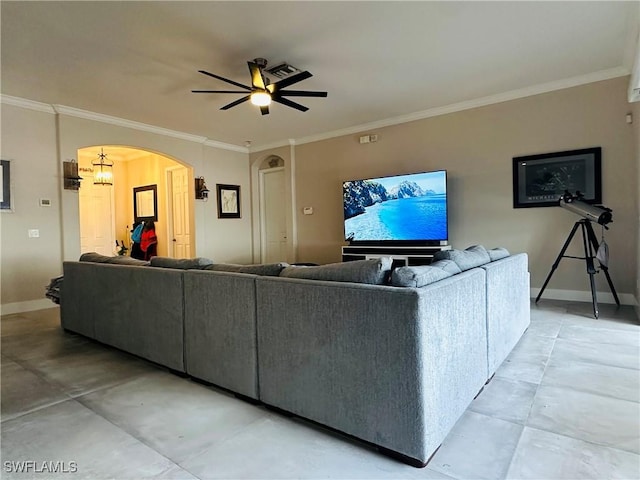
pixel 34 233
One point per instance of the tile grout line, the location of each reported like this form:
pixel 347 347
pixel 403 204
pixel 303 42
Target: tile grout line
pixel 533 398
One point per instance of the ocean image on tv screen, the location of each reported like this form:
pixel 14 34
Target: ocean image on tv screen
pixel 404 207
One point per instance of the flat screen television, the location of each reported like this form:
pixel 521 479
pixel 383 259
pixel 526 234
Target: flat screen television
pixel 397 210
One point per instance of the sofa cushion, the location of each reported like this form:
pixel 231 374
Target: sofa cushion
pixel 448 266
pixel 117 260
pixel 181 263
pixel 498 253
pixel 265 269
pixel 418 276
pixel 374 271
pixel 465 259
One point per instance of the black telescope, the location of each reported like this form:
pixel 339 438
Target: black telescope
pixel 594 213
pixel 590 213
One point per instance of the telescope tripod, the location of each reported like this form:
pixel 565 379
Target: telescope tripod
pixel 590 245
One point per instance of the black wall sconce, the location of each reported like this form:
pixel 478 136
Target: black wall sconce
pixel 71 177
pixel 202 192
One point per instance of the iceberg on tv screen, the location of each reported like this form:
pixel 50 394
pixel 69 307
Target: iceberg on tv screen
pixel 404 207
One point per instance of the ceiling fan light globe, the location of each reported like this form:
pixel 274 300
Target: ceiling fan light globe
pixel 261 99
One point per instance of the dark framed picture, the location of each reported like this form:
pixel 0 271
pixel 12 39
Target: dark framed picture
pixel 540 180
pixel 228 200
pixel 5 185
pixel 145 203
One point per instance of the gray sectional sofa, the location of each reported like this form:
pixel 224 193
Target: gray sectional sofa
pixel 391 358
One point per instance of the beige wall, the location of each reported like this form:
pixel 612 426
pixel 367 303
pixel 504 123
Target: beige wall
pixel 224 239
pixel 28 264
pixel 476 147
pixel 38 143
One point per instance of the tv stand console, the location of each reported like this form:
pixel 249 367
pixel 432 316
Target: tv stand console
pixel 401 255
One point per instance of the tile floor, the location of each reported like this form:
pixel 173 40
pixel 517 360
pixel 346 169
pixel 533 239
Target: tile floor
pixel 564 405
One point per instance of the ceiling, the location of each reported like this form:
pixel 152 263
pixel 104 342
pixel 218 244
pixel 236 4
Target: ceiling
pixel 379 61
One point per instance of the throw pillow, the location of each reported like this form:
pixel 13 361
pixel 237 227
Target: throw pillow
pixel 265 269
pixel 374 271
pixel 417 276
pixel 181 263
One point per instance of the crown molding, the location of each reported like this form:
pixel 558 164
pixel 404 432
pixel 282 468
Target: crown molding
pixel 121 122
pixel 467 105
pixel 29 104
pixel 225 146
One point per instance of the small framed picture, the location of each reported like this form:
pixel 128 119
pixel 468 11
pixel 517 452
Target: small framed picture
pixel 228 200
pixel 5 186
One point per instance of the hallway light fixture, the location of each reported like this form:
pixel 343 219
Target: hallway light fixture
pixel 202 192
pixel 71 177
pixel 103 170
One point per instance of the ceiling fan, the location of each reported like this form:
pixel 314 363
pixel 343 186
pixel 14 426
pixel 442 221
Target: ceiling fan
pixel 261 92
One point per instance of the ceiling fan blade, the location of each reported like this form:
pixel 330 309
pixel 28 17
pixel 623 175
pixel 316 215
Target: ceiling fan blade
pixel 237 102
pixel 289 103
pixel 301 93
pixel 224 79
pixel 216 91
pixel 257 80
pixel 264 110
pixel 285 82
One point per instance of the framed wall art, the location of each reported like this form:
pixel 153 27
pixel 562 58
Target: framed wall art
pixel 540 180
pixel 228 200
pixel 145 203
pixel 5 186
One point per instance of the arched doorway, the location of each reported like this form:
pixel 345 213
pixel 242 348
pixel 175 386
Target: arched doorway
pixel 107 211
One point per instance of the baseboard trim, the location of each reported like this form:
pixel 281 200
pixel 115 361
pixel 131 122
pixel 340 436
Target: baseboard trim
pixel 28 306
pixel 583 296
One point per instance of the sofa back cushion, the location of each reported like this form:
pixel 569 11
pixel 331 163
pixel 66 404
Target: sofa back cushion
pixel 117 260
pixel 498 253
pixel 197 263
pixel 265 269
pixel 448 266
pixel 418 276
pixel 374 271
pixel 472 257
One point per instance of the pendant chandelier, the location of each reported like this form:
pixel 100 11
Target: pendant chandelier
pixel 102 170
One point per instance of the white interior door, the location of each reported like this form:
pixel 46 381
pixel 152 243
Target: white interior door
pixel 96 217
pixel 273 215
pixel 180 234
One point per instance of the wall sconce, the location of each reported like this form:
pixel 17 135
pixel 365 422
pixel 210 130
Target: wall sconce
pixel 71 177
pixel 202 192
pixel 103 171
